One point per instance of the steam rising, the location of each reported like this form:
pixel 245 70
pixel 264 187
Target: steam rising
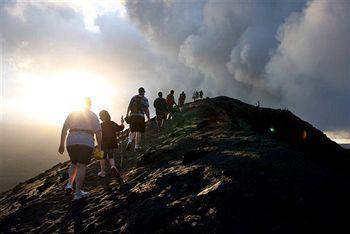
pixel 291 54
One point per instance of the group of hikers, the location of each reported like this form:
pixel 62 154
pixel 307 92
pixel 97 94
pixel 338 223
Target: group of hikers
pixel 197 95
pixel 84 126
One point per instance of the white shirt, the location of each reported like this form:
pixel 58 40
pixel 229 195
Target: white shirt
pixel 82 120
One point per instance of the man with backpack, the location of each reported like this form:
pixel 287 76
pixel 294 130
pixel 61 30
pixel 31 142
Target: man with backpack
pixel 181 101
pixel 135 114
pixel 161 110
pixel 170 101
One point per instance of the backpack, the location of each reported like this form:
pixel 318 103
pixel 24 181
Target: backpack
pixel 136 106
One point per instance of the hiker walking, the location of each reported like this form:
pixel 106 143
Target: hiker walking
pixel 194 96
pixel 82 126
pixel 109 144
pixel 137 108
pixel 161 110
pixel 170 101
pixel 200 94
pixel 181 101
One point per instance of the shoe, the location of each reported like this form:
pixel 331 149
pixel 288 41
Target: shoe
pixel 128 146
pixel 80 195
pixel 102 174
pixel 69 188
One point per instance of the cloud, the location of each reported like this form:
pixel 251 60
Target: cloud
pixel 311 66
pixel 289 54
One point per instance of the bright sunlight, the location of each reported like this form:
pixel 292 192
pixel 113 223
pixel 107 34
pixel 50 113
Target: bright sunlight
pixel 50 99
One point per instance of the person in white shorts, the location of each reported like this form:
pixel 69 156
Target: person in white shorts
pixel 83 126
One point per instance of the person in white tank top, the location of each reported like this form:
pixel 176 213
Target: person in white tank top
pixel 83 126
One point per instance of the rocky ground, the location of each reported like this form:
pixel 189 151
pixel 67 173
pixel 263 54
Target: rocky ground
pixel 220 166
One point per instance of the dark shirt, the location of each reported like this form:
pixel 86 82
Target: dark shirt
pixel 160 105
pixel 109 134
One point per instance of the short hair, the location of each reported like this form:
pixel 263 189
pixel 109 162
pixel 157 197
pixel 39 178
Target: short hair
pixel 160 94
pixel 141 90
pixel 104 115
pixel 171 91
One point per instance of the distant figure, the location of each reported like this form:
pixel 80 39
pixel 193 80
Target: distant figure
pixel 181 101
pixel 194 96
pixel 82 126
pixel 170 100
pixel 109 144
pixel 200 94
pixel 137 108
pixel 258 104
pixel 161 110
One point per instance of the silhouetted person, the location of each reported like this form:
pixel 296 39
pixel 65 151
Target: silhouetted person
pixel 161 110
pixel 181 100
pixel 109 144
pixel 137 109
pixel 82 126
pixel 200 94
pixel 194 97
pixel 170 100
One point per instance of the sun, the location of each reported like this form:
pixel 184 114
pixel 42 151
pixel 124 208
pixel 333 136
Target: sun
pixel 51 98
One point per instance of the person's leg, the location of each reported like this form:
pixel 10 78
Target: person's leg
pixel 138 140
pixel 131 137
pixel 102 173
pixel 111 162
pixel 79 180
pixel 72 172
pixel 159 121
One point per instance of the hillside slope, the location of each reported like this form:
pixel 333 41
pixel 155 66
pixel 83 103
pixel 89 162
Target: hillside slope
pixel 220 166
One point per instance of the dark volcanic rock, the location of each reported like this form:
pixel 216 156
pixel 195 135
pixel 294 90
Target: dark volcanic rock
pixel 221 166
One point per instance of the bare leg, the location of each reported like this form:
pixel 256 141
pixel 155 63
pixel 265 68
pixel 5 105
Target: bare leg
pixel 138 140
pixel 79 181
pixel 111 162
pixel 103 165
pixel 131 137
pixel 72 172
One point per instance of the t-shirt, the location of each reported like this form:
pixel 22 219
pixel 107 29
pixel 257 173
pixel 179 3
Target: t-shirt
pixel 160 105
pixel 82 125
pixel 170 100
pixel 182 98
pixel 144 105
pixel 109 134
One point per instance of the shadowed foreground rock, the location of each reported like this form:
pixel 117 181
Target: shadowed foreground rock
pixel 220 166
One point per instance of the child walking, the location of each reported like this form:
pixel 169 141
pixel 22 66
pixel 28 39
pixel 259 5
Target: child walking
pixel 109 144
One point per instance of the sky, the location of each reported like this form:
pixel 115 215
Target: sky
pixel 289 54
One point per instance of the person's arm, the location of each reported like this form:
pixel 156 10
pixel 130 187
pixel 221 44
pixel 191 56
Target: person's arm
pixel 99 139
pixel 63 136
pixel 174 101
pixel 147 114
pixel 118 128
pixel 129 106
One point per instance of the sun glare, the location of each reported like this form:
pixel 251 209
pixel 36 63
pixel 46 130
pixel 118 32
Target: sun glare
pixel 50 99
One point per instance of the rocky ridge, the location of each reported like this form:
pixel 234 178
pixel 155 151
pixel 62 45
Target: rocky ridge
pixel 219 166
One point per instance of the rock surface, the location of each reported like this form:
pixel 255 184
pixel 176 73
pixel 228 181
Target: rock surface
pixel 219 166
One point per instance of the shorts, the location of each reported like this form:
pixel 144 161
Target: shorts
pixel 109 153
pixel 137 123
pixel 161 115
pixel 80 153
pixel 170 109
